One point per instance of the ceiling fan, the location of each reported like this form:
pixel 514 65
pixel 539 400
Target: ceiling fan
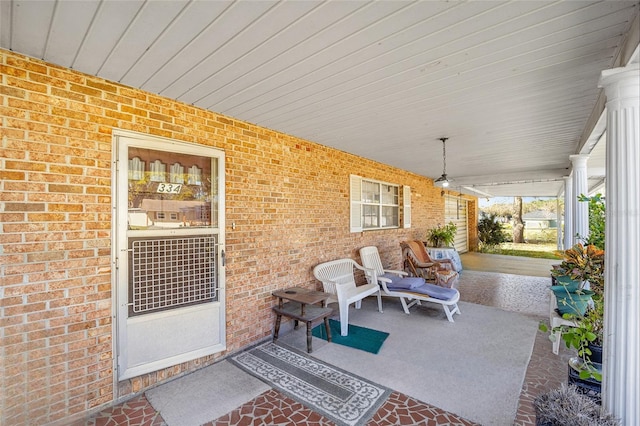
pixel 443 181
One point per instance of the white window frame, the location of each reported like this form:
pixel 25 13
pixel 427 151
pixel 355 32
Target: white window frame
pixel 357 204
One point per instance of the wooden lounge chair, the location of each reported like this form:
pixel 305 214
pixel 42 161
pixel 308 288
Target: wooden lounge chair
pixel 414 289
pixel 418 263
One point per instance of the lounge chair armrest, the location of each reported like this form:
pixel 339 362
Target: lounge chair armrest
pixel 425 264
pixel 396 272
pixel 383 282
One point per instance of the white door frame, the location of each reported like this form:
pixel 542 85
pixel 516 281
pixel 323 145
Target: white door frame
pixel 162 338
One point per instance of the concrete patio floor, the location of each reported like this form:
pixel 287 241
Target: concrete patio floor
pixel 545 370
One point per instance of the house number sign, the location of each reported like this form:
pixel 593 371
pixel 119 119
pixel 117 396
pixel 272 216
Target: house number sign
pixel 169 188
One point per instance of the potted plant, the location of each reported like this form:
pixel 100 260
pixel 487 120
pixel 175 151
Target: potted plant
pixel 585 264
pixel 581 266
pixel 586 334
pixel 442 236
pixel 567 406
pixel 579 263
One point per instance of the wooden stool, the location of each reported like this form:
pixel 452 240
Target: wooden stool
pixel 302 306
pixel 305 313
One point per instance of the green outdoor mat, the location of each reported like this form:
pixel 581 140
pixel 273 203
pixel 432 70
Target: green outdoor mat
pixel 361 338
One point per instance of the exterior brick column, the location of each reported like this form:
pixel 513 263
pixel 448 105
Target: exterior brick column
pixel 621 367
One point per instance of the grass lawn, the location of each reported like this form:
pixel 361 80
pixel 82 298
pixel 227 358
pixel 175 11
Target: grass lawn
pixel 543 250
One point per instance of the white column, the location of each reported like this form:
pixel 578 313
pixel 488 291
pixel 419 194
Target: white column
pixel 621 363
pixel 568 212
pixel 580 187
pixel 558 225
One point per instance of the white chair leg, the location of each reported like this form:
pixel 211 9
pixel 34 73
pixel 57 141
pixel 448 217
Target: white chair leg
pixel 358 303
pixel 454 309
pixel 344 319
pixel 448 312
pixel 404 305
pixel 379 302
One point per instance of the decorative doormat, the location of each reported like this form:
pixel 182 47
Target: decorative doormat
pixel 365 339
pixel 340 396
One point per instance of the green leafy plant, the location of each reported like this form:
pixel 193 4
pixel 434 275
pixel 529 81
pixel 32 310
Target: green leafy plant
pixel 596 219
pixel 586 264
pixel 442 236
pixel 490 232
pixel 586 332
pixel 582 263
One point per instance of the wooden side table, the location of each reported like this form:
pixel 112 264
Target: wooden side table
pixel 302 306
pixel 446 278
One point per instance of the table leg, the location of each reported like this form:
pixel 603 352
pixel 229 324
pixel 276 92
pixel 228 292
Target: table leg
pixel 326 326
pixel 277 328
pixel 309 337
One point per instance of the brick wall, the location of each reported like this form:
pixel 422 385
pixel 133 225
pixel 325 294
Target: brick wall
pixel 289 200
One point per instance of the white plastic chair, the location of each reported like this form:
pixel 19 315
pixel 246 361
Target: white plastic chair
pixel 337 277
pixel 371 260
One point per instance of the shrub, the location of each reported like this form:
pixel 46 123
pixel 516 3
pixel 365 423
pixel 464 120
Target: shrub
pixel 490 232
pixel 566 406
pixel 596 219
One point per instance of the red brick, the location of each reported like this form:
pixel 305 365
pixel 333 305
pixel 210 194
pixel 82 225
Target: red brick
pixel 46 217
pixel 10 238
pixel 24 207
pixel 45 256
pixel 13 92
pixel 78 97
pixel 48 198
pixel 25 84
pixel 11 175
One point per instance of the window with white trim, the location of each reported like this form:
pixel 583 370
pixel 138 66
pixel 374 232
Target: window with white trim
pixel 376 204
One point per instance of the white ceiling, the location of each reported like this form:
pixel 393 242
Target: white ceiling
pixel 511 84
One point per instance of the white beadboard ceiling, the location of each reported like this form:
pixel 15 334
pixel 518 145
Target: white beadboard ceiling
pixel 511 84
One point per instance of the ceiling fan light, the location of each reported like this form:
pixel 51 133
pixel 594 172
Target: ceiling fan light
pixel 442 181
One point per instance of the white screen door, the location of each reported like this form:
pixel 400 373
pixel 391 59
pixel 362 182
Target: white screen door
pixel 168 252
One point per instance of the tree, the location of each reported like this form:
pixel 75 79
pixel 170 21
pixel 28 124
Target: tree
pixel 596 219
pixel 500 210
pixel 518 225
